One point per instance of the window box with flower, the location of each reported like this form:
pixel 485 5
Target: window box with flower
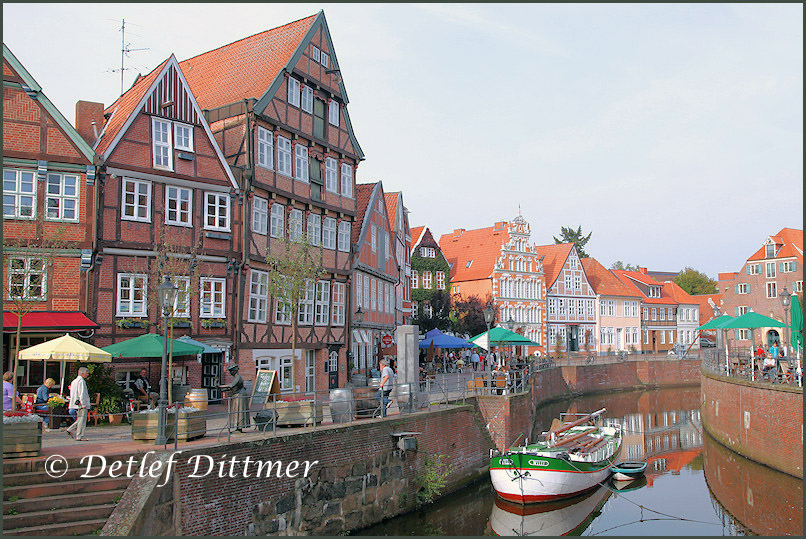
pixel 213 323
pixel 180 323
pixel 130 323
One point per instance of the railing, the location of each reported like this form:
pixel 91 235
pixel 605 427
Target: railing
pixel 742 364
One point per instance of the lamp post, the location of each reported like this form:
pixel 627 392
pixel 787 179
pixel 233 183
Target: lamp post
pixel 166 293
pixel 786 300
pixel 489 315
pixel 510 325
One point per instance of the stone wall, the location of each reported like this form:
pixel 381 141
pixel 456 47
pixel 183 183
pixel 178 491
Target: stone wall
pixel 761 421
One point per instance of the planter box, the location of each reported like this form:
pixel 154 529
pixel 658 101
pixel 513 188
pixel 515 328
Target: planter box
pixel 213 324
pixel 183 324
pixel 190 426
pixel 22 439
pixel 296 413
pixel 127 324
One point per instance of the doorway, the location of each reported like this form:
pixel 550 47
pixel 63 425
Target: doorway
pixel 773 337
pixel 573 338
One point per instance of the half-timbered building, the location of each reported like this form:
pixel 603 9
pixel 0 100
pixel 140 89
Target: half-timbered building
pixel 277 106
pixel 168 205
pixel 401 238
pixel 49 175
pixel 658 310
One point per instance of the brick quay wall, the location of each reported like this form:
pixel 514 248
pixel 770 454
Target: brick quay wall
pixel 761 421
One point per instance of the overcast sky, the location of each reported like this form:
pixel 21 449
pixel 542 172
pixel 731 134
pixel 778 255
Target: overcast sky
pixel 674 132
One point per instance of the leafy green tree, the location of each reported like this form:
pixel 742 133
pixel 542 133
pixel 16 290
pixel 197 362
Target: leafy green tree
pixel 619 265
pixel 468 316
pixel 440 303
pixel 569 235
pixel 695 282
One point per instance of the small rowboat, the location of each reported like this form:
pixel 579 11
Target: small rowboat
pixel 627 471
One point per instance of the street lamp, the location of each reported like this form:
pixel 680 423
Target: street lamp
pixel 510 325
pixel 786 299
pixel 166 293
pixel 489 316
pixel 720 337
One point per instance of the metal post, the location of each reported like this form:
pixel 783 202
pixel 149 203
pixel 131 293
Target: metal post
pixel 162 405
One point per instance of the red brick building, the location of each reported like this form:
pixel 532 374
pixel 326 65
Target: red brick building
pixel 49 182
pixel 401 238
pixel 277 106
pixel 658 310
pixel 775 266
pixel 167 187
pixel 375 274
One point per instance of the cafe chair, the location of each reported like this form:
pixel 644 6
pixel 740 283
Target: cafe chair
pixel 93 412
pixel 784 373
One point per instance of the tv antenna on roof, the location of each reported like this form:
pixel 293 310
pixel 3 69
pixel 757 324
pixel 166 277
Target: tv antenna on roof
pixel 125 49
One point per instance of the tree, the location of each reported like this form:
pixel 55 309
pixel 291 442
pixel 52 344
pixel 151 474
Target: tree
pixel 294 266
pixel 569 235
pixel 619 265
pixel 467 316
pixel 26 262
pixel 695 282
pixel 440 304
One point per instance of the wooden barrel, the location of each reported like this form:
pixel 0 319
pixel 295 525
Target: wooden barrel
pixel 196 398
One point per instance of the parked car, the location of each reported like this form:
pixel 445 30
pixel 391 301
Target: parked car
pixel 705 342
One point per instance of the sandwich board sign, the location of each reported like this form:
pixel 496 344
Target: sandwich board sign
pixel 266 384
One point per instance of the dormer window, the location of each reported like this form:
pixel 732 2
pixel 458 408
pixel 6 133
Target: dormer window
pixel 770 250
pixel 469 262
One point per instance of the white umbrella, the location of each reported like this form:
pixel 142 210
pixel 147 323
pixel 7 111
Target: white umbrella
pixel 64 349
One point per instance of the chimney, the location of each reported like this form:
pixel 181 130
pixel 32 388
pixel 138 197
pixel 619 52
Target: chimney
pixel 457 232
pixel 89 120
pixel 643 270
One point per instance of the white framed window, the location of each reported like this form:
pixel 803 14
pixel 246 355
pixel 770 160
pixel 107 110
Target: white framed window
pixel 277 220
pixel 671 313
pixel 797 286
pixel 552 307
pixel 568 282
pixel 216 211
pixel 440 280
pixel 212 295
pixel 258 295
pixel 131 300
pixel 260 215
pixel 265 148
pixel 754 269
pixel 324 59
pixel 182 300
pixel 743 288
pixel 61 197
pixel 590 307
pixel 772 290
pixel 427 279
pixel 743 334
pixel 306 303
pixel 283 365
pixel 284 156
pixel 333 112
pixel 314 229
pixel 373 294
pixel 344 236
pixel 178 205
pixel 293 91
pixel 282 313
pixel 611 307
pixel 662 337
pixel 27 278
pixel 315 53
pixel 310 370
pixel 359 289
pixel 654 313
pixel 581 308
pixel 577 283
pixel 602 307
pixel 415 279
pixel 373 238
pixel 19 194
pixel 322 317
pixel 646 313
pixel 183 137
pixel 346 180
pixel 136 203
pixel 301 152
pixel 307 99
pixel 788 266
pixel 295 224
pixel 428 252
pixel 329 233
pixel 338 304
pixel 161 144
pixel 770 270
pixel 366 292
pixel 331 181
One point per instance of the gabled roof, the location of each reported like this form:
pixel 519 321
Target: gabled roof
pixel 603 281
pixel 481 248
pixel 706 311
pixel 791 240
pixel 416 237
pixel 391 200
pixel 66 127
pixel 363 196
pixel 253 67
pixel 554 258
pixel 629 278
pixel 125 109
pixel 677 293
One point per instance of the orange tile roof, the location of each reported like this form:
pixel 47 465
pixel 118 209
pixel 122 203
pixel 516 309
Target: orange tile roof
pixel 792 240
pixel 391 206
pixel 481 246
pixel 603 281
pixel 554 259
pixel 245 68
pixel 363 192
pixel 123 108
pixel 677 293
pixel 415 235
pixel 706 311
pixel 629 278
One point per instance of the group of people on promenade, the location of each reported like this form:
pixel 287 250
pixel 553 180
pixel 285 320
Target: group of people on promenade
pixel 464 360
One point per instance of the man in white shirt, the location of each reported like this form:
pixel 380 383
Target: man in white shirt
pixel 80 402
pixel 386 385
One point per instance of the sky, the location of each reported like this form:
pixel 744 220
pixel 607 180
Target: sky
pixel 672 132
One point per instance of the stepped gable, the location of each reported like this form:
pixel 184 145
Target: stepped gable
pixel 554 258
pixel 245 68
pixel 481 246
pixel 603 281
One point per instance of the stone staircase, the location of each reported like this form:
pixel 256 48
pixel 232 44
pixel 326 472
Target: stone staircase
pixel 37 504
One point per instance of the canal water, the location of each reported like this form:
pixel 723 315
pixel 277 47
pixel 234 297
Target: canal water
pixel 692 485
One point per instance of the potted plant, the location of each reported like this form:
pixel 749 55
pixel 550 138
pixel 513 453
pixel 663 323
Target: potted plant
pixel 126 323
pixel 111 406
pixel 56 405
pixel 213 323
pixel 22 434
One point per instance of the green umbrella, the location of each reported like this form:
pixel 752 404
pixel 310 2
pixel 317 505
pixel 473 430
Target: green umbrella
pixel 499 335
pixel 796 324
pixel 150 345
pixel 752 320
pixel 716 323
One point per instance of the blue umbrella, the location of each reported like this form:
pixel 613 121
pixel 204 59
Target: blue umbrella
pixel 440 340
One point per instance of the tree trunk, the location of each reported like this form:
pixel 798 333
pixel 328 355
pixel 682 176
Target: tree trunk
pixel 16 362
pixel 170 361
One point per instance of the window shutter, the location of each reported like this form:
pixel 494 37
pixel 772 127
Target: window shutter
pixel 781 267
pixel 736 288
pixel 736 311
pixel 748 288
pixel 748 268
pixel 794 265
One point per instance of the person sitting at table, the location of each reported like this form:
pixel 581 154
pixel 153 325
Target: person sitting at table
pixel 774 351
pixel 760 352
pixel 42 395
pixel 142 389
pixel 9 398
pixel 769 364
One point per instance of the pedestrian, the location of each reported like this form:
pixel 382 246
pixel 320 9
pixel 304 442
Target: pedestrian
pixel 774 351
pixel 8 392
pixel 386 385
pixel 474 359
pixel 481 362
pixel 80 402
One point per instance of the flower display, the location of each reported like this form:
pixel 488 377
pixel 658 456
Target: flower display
pixel 20 417
pixel 56 400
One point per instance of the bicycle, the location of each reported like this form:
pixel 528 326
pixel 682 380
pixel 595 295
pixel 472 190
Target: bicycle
pixel 590 358
pixel 621 355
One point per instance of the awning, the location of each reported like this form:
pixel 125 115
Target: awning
pixel 48 321
pixel 361 337
pixel 207 349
